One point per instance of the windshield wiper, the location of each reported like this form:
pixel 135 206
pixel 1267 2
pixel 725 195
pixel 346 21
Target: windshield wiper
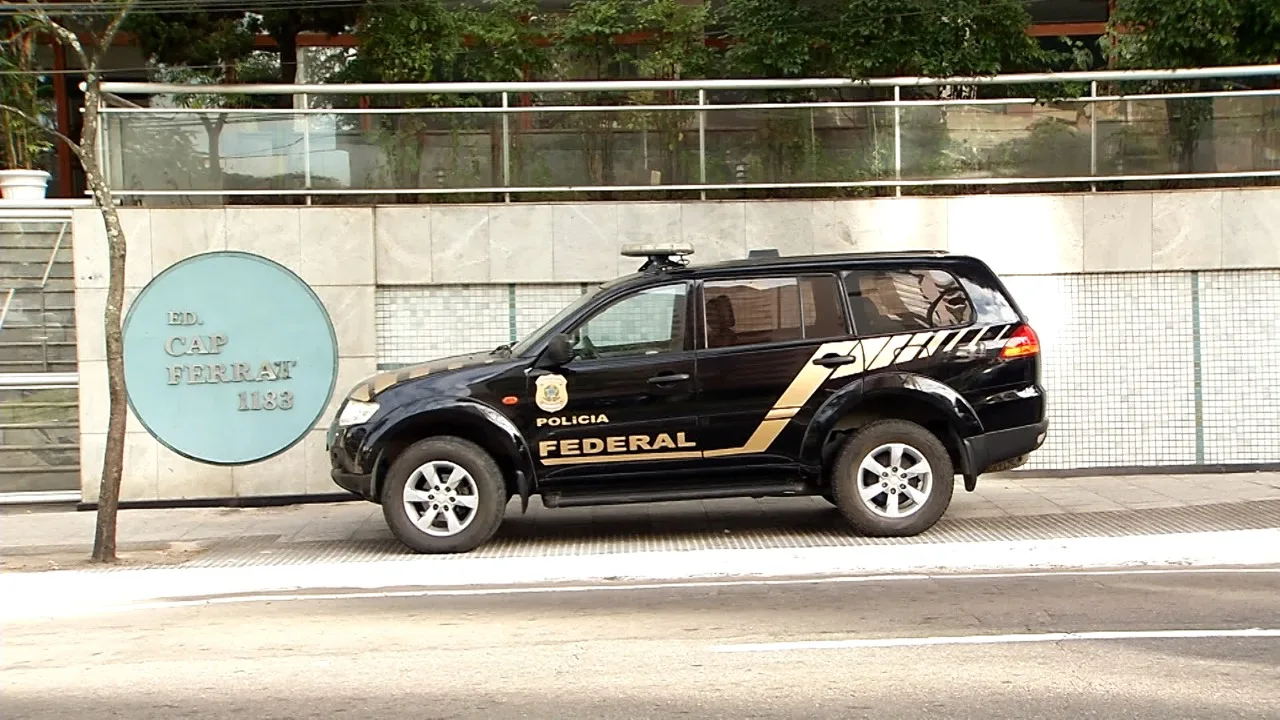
pixel 504 350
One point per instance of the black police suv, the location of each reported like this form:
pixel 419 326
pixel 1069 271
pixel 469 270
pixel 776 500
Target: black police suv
pixel 870 379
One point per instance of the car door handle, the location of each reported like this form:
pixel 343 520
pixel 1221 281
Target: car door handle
pixel 668 378
pixel 834 360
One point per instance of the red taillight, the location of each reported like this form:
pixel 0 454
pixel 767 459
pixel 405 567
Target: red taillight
pixel 1022 343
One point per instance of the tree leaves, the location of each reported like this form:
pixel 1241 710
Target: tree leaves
pixel 1194 33
pixel 866 38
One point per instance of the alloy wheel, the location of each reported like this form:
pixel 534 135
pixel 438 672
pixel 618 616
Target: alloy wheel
pixel 894 480
pixel 441 498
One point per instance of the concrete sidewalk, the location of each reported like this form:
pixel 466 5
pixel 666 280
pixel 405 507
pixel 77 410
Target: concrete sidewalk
pixel 1003 508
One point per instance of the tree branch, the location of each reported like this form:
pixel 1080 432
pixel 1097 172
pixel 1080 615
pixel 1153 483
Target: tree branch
pixel 113 28
pixel 75 146
pixel 65 35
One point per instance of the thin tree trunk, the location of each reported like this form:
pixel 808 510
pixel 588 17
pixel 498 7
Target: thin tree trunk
pixel 104 537
pixel 213 130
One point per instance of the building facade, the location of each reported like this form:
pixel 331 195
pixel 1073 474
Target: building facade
pixel 1159 312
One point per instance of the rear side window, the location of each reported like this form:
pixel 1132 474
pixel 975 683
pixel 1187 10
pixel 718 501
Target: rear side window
pixel 906 300
pixel 754 311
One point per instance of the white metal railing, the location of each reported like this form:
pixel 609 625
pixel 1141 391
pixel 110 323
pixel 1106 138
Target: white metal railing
pixel 508 176
pixel 39 381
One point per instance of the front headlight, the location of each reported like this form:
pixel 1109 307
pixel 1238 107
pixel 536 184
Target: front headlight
pixel 356 412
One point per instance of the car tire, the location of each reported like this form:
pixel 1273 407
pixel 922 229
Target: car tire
pixel 869 506
pixel 430 518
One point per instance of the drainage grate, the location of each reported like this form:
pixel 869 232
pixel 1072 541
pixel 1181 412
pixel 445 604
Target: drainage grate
pixel 546 537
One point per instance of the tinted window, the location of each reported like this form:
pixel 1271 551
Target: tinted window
pixel 648 322
pixel 752 311
pixel 893 301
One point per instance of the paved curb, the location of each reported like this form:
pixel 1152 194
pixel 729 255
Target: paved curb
pixel 73 592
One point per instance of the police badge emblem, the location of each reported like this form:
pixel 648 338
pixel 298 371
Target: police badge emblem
pixel 552 392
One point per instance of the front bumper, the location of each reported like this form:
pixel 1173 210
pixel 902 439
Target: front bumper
pixel 345 470
pixel 361 485
pixel 982 452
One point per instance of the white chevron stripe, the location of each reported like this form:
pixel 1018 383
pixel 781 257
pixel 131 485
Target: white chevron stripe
pixel 974 342
pixel 871 348
pixel 890 352
pixel 937 341
pixel 914 348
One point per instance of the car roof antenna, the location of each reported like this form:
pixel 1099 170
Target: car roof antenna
pixel 669 256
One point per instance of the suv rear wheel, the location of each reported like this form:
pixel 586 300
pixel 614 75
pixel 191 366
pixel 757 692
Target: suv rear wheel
pixel 444 495
pixel 893 478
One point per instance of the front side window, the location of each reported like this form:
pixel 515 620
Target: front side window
pixel 753 311
pixel 909 300
pixel 648 322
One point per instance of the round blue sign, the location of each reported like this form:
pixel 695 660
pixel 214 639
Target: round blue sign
pixel 229 358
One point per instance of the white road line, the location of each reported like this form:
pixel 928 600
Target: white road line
pixel 902 642
pixel 632 587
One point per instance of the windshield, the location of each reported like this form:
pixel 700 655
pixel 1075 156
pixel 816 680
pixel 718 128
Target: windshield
pixel 532 338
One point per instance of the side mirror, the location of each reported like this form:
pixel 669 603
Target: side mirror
pixel 559 350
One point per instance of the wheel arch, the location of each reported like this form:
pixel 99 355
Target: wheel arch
pixel 902 396
pixel 472 421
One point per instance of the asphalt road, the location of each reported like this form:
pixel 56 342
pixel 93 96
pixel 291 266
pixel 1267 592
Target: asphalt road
pixel 659 653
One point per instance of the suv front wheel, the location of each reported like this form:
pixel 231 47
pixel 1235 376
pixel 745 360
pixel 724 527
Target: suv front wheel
pixel 444 495
pixel 893 478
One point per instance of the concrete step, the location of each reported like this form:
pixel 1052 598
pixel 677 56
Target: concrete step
pixel 36 353
pixel 28 366
pixel 18 329
pixel 32 235
pixel 40 479
pixel 20 273
pixel 35 255
pixel 58 296
pixel 39 434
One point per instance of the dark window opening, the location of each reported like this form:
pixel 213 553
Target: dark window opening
pixel 894 301
pixel 755 311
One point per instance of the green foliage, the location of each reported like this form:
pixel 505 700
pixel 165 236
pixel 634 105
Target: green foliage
pixel 504 41
pixel 678 48
pixel 777 38
pixel 1192 33
pixel 866 38
pixel 595 39
pixel 284 25
pixel 210 41
pixel 24 144
pixel 587 38
pixel 410 41
pixel 874 38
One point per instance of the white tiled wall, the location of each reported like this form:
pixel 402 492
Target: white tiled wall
pixel 1118 365
pixel 1240 351
pixel 1120 356
pixel 535 304
pixel 421 323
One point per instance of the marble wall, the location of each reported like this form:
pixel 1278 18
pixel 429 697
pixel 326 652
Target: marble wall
pixel 1016 234
pixel 332 249
pixel 345 253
